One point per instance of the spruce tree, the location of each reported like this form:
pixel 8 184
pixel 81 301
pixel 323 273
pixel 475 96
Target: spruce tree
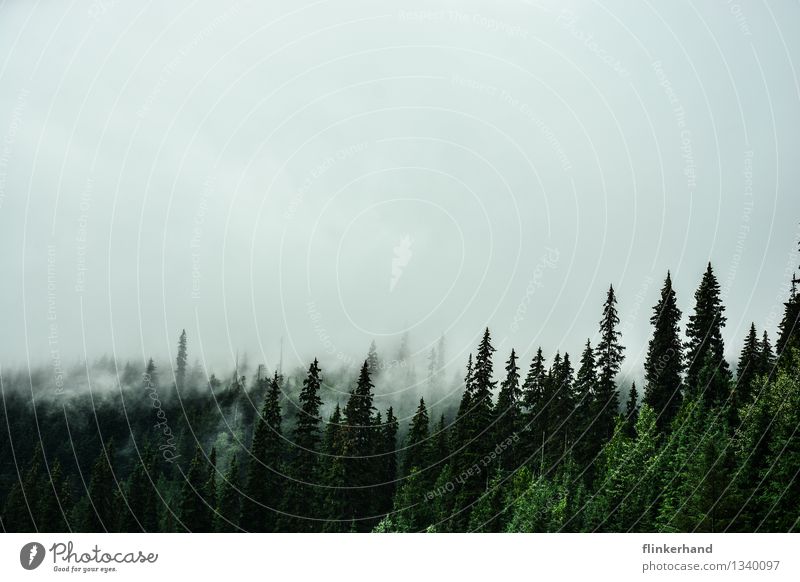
pixel 750 362
pixel 508 417
pixel 417 442
pixel 560 408
pixel 263 482
pixel 705 343
pixel 180 362
pixel 373 362
pixel 482 384
pixel 664 364
pixel 585 391
pixel 361 444
pixel 547 424
pixel 609 359
pixel 767 361
pixel 151 372
pixel 432 375
pixel 533 401
pixel 789 328
pixel 477 426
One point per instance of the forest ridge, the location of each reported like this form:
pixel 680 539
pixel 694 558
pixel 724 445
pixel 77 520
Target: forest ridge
pixel 551 445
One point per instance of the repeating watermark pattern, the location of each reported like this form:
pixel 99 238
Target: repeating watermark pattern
pixel 741 19
pixel 324 337
pixel 548 260
pixel 474 470
pixel 632 316
pixel 744 226
pixel 689 167
pixel 330 347
pixel 197 236
pixel 11 138
pixel 465 18
pixel 175 63
pixel 52 319
pixel 400 260
pixel 100 7
pixel 521 107
pixel 789 272
pixel 81 236
pixel 322 167
pixel 168 448
pixel 568 20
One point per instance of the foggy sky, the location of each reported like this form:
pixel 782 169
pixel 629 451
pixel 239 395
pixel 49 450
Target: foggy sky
pixel 331 173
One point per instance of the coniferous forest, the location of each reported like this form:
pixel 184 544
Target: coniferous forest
pixel 553 442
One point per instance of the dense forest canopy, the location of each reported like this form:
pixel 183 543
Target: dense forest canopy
pixel 558 443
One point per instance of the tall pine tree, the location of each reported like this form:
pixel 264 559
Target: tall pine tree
pixel 417 441
pixel 750 362
pixel 664 364
pixel 508 417
pixel 789 328
pixel 264 481
pixel 303 502
pixel 585 393
pixel 477 423
pixel 767 360
pixel 705 346
pixel 609 359
pixel 180 362
pixel 373 362
pixel 533 403
pixel 362 463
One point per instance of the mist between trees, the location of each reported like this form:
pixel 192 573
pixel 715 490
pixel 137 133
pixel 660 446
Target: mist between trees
pixel 544 446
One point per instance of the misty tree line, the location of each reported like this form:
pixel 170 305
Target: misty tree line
pixel 543 447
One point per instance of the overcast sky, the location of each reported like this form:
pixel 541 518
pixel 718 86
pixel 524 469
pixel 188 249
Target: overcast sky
pixel 337 172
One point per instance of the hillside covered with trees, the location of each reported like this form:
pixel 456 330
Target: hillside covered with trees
pixel 557 444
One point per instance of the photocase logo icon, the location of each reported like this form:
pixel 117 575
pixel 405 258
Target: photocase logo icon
pixel 402 256
pixel 31 555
